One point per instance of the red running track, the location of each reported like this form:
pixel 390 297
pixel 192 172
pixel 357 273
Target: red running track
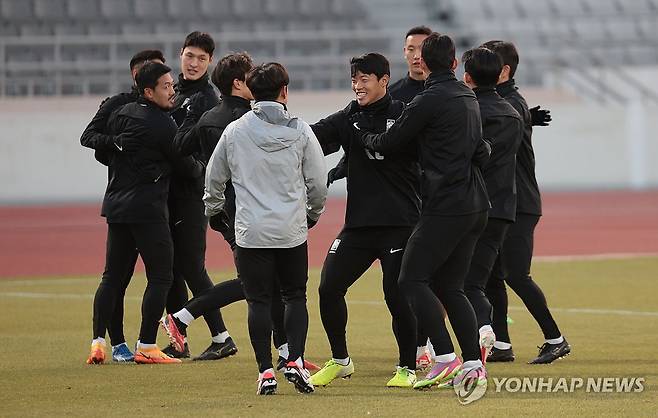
pixel 70 240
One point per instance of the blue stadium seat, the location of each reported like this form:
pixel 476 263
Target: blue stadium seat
pixel 84 9
pixel 17 10
pixel 48 10
pixel 150 9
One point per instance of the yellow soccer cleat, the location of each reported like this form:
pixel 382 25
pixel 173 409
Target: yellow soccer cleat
pixel 403 378
pixel 331 371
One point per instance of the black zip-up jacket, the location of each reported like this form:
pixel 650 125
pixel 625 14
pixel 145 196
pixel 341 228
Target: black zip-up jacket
pixel 200 137
pixel 503 127
pixel 382 190
pixel 95 134
pixel 405 89
pixel 181 187
pixel 527 190
pixel 138 183
pixel 443 122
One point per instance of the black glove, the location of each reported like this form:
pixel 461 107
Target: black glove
pixel 310 222
pixel 539 116
pixel 196 105
pixel 128 143
pixel 220 222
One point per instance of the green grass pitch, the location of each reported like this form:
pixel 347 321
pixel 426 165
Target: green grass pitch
pixel 607 310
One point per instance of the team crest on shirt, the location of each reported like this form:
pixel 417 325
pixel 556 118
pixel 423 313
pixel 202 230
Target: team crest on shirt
pixel 389 123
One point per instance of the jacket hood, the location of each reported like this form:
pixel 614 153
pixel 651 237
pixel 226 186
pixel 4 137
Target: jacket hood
pixel 272 128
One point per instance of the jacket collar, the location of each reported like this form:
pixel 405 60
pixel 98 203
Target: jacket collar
pixel 185 86
pixel 440 76
pixel 378 106
pixel 236 101
pixel 272 112
pixel 506 88
pixel 484 91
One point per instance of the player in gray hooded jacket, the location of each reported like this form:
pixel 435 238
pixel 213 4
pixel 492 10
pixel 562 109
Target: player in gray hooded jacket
pixel 277 169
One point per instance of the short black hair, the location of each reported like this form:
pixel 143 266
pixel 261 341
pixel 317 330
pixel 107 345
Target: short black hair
pixel 418 30
pixel 149 74
pixel 146 55
pixel 201 40
pixel 229 68
pixel 507 52
pixel 370 63
pixel 483 65
pixel 438 52
pixel 266 81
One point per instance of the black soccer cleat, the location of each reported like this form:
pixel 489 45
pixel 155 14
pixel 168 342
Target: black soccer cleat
pixel 500 355
pixel 217 351
pixel 281 364
pixel 171 351
pixel 548 353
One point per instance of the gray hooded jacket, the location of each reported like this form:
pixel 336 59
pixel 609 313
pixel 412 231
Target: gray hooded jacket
pixel 277 168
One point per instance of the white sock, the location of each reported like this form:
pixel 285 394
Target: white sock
pixel 221 337
pixel 142 346
pixel 445 358
pixel 99 340
pixel 430 348
pixel 342 361
pixel 184 316
pixel 501 345
pixel 420 351
pixel 486 328
pixel 260 375
pixel 471 364
pixel 556 340
pixel 283 351
pixel 299 362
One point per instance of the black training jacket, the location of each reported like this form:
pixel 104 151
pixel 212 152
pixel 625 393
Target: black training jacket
pixel 138 183
pixel 443 122
pixel 181 187
pixel 382 190
pixel 527 190
pixel 405 89
pixel 200 137
pixel 503 128
pixel 95 134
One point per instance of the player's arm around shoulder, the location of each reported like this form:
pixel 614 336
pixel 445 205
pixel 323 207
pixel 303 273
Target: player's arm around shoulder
pixel 314 170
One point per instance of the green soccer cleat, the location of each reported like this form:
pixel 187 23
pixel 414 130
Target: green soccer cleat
pixel 331 371
pixel 403 378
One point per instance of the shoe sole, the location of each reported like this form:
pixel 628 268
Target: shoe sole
pixel 123 360
pixel 149 360
pixel 300 385
pixel 427 384
pixel 169 330
pixel 219 357
pixel 268 390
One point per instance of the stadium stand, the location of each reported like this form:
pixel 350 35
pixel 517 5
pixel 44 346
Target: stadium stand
pixel 90 40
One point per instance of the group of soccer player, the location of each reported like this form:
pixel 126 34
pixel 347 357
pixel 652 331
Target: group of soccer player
pixel 441 189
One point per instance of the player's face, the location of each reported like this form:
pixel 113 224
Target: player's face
pixel 412 54
pixel 194 62
pixel 163 93
pixel 368 88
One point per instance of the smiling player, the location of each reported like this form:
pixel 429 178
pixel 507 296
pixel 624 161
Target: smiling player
pixel 383 205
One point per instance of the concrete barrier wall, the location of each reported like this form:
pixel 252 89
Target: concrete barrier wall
pixel 586 147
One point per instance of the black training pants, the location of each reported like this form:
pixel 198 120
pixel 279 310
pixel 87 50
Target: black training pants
pixel 484 257
pixel 513 267
pixel 342 267
pixel 438 254
pixel 153 242
pixel 259 269
pixel 189 224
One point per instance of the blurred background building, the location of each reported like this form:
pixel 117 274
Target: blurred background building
pixel 594 63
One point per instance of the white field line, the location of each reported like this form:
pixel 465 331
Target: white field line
pixel 68 296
